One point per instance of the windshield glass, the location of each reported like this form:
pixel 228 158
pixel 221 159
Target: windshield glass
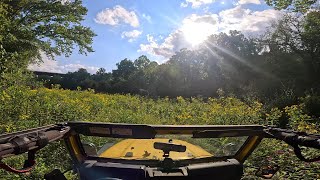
pixel 143 149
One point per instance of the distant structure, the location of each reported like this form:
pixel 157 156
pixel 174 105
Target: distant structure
pixel 51 74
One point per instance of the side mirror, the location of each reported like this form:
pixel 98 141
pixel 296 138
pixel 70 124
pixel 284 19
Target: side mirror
pixel 89 148
pixel 267 172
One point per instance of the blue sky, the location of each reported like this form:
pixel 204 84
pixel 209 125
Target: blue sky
pixel 128 29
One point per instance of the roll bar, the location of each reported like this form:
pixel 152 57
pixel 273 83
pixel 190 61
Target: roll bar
pixel 35 139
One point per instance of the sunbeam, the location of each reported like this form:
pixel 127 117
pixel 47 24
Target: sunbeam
pixel 254 68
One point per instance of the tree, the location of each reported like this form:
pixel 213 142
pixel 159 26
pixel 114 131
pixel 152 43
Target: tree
pixel 293 5
pixel 142 63
pixel 121 75
pixel 102 80
pixel 78 78
pixel 29 27
pixel 190 66
pixel 296 38
pixel 124 69
pixel 101 71
pixel 233 56
pixel 141 78
pixel 311 34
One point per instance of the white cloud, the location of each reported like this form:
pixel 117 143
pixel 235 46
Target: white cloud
pixel 164 49
pixel 234 15
pixel 194 18
pixel 116 16
pixel 49 65
pixel 146 17
pixel 131 35
pixel 196 28
pixel 75 67
pixel 247 21
pixel 195 3
pixel 249 2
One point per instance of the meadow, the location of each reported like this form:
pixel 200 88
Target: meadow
pixel 23 107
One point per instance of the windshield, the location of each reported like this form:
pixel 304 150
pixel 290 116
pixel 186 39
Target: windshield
pixel 143 149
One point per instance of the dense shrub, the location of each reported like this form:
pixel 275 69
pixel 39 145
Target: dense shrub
pixel 312 105
pixel 22 108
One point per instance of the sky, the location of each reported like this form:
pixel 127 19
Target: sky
pixel 158 29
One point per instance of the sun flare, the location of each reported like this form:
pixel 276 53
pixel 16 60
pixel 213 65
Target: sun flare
pixel 196 33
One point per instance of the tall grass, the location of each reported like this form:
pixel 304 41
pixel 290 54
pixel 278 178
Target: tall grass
pixel 22 108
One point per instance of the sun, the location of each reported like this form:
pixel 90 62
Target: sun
pixel 196 32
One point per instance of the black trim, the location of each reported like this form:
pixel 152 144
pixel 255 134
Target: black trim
pixel 155 163
pixel 142 131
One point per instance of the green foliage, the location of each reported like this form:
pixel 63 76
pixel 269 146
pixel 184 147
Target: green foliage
pixel 293 5
pixel 23 108
pixel 32 27
pixel 272 118
pixel 47 25
pixel 276 68
pixel 312 105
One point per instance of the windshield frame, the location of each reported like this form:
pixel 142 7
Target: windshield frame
pixel 255 134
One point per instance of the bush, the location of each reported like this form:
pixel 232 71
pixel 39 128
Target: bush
pixel 312 105
pixel 22 108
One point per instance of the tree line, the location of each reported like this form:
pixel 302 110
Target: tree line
pixel 284 62
pixel 281 64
